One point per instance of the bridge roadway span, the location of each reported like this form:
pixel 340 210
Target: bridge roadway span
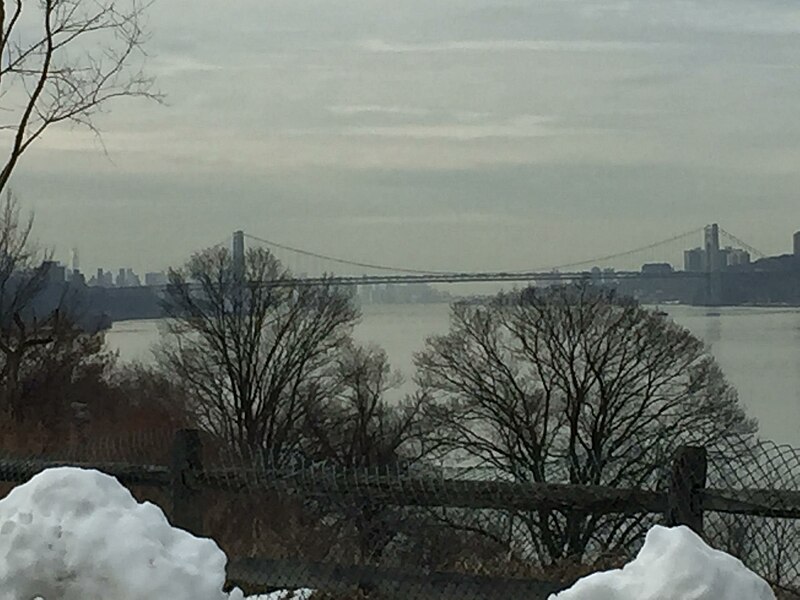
pixel 477 277
pixel 120 304
pixel 482 277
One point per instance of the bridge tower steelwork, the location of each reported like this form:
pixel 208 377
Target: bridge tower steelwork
pixel 713 265
pixel 238 253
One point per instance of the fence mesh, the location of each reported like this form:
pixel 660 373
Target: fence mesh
pixel 422 531
pixel 769 545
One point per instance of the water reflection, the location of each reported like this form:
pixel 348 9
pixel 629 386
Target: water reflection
pixel 713 329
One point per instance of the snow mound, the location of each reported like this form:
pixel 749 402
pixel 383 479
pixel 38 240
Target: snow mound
pixel 302 594
pixel 674 564
pixel 74 534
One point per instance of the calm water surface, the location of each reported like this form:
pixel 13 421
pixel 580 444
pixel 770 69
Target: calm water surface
pixel 757 348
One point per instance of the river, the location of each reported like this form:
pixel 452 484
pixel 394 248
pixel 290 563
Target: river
pixel 757 348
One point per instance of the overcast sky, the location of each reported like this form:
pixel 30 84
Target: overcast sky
pixel 469 134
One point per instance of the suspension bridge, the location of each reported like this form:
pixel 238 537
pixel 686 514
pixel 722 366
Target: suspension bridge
pixel 708 256
pixel 654 261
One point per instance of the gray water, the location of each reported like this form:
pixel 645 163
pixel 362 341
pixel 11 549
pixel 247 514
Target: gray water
pixel 757 348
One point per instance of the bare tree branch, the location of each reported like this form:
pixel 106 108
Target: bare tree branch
pixel 85 55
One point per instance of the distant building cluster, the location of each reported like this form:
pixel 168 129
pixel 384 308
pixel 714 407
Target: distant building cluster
pixel 712 257
pixel 697 259
pixel 124 277
pixel 657 269
pixel 411 293
pixel 605 275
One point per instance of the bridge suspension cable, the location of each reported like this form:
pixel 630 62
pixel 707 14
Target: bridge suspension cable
pixel 226 241
pixel 744 245
pixel 343 261
pixel 594 261
pixel 395 269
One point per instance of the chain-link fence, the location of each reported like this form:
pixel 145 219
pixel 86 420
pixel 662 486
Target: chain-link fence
pixel 425 531
pixel 758 519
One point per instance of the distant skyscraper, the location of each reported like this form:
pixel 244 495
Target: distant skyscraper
pixel 694 260
pixel 725 257
pixel 797 245
pixel 131 278
pixel 736 257
pixel 76 263
pixel 711 239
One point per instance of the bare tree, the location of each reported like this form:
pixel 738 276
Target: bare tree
pixel 63 61
pixel 32 316
pixel 60 382
pixel 251 356
pixel 573 385
pixel 357 427
pixel 17 254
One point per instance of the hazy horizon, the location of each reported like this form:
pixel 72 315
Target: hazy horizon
pixel 466 135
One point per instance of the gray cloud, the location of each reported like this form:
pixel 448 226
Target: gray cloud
pixel 361 109
pixel 455 133
pixel 500 45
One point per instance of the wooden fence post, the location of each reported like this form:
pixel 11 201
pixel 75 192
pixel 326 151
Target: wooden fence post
pixel 187 505
pixel 687 480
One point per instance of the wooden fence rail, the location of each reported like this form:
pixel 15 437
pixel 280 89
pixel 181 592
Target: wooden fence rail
pixel 683 503
pixel 186 479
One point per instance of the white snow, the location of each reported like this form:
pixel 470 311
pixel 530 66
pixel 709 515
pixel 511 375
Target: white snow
pixel 674 564
pixel 303 594
pixel 73 534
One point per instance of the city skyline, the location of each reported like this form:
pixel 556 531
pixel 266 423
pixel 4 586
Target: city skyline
pixel 470 135
pixel 710 255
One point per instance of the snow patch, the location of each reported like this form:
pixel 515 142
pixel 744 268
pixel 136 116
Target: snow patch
pixel 674 564
pixel 302 594
pixel 74 534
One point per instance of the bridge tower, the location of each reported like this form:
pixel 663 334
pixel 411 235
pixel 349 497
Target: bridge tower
pixel 713 265
pixel 238 253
